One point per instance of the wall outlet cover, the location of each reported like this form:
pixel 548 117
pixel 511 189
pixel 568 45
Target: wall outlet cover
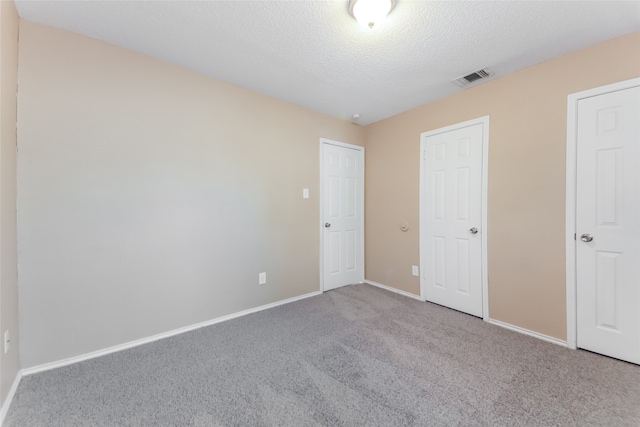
pixel 415 270
pixel 262 278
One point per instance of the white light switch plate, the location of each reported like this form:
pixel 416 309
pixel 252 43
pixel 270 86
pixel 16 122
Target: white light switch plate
pixel 305 193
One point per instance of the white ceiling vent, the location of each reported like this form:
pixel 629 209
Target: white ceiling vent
pixel 472 77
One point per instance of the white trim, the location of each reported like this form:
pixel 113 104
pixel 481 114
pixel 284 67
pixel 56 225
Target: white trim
pixel 397 291
pixel 7 402
pixel 570 206
pixel 323 142
pixel 484 232
pixel 421 225
pixel 125 346
pixel 485 221
pixel 528 332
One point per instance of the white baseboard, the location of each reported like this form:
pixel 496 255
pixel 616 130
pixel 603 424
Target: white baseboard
pixel 398 291
pixel 130 344
pixel 488 319
pixel 7 402
pixel 528 332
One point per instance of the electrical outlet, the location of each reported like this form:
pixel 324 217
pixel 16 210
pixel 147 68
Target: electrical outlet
pixel 415 271
pixel 262 278
pixel 6 342
pixel 305 193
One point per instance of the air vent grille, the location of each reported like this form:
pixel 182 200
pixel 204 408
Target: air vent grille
pixel 472 77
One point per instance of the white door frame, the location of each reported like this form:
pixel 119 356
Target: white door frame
pixel 323 142
pixel 571 182
pixel 485 159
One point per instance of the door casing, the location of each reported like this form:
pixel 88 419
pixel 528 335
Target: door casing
pixel 360 202
pixel 423 200
pixel 570 207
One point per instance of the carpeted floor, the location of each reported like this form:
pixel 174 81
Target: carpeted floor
pixel 355 356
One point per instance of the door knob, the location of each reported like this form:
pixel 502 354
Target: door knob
pixel 586 237
pixel 327 225
pixel 473 230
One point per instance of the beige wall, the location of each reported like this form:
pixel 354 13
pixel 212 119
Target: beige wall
pixel 150 197
pixel 526 194
pixel 9 363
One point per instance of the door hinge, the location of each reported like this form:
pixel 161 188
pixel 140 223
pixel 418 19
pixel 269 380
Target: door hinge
pixel 575 236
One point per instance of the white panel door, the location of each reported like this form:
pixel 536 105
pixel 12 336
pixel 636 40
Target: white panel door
pixel 452 219
pixel 342 215
pixel 608 224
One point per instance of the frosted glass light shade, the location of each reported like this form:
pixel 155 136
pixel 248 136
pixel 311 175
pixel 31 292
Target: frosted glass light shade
pixel 370 13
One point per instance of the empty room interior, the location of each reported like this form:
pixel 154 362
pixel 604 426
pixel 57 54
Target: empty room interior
pixel 312 213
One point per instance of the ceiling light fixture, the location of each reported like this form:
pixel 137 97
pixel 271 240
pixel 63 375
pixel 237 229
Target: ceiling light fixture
pixel 370 13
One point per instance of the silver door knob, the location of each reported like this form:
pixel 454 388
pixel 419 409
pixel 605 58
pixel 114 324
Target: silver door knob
pixel 327 225
pixel 473 230
pixel 586 237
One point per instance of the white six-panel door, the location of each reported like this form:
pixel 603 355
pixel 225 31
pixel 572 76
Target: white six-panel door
pixel 342 214
pixel 608 224
pixel 452 223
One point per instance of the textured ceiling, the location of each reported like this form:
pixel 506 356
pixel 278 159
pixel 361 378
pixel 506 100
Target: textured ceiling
pixel 312 53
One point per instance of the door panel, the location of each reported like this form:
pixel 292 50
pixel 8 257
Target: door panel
pixel 453 207
pixel 462 278
pixel 343 215
pixel 608 211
